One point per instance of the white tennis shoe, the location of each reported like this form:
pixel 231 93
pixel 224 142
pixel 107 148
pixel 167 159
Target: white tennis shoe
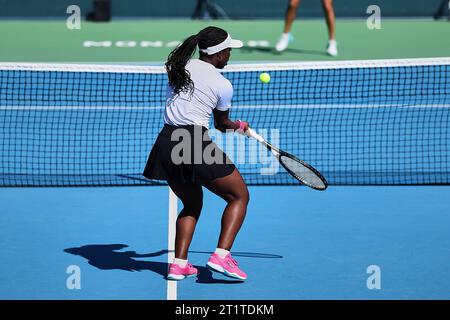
pixel 332 48
pixel 284 41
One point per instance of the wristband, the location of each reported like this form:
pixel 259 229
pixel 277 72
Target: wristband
pixel 241 125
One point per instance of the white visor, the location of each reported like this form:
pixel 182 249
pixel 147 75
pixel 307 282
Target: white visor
pixel 227 43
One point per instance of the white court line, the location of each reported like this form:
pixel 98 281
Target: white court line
pixel 307 65
pixel 173 212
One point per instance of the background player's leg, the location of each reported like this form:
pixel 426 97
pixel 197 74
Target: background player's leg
pixel 286 37
pixel 331 26
pixel 291 13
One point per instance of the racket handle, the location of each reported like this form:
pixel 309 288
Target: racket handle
pixel 252 134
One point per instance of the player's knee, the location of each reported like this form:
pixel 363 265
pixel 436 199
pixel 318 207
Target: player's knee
pixel 245 196
pixel 327 5
pixel 241 196
pixel 294 3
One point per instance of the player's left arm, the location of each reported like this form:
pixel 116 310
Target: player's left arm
pixel 222 120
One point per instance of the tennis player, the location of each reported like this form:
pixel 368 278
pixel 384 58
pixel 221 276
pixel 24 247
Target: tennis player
pixel 197 91
pixel 291 12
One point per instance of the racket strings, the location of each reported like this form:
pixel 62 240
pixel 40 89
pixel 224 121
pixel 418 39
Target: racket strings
pixel 302 172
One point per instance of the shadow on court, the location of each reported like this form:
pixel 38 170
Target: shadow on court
pixel 247 49
pixel 107 257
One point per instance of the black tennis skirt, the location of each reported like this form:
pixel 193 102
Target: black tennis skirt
pixel 186 154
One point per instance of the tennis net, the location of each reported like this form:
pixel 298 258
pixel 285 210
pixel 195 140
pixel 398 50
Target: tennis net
pixel 382 122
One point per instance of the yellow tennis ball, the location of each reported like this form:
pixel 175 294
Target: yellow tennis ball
pixel 264 77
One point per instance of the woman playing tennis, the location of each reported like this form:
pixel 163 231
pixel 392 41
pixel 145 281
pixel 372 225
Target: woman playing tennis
pixel 197 91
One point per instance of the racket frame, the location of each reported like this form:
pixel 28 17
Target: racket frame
pixel 278 153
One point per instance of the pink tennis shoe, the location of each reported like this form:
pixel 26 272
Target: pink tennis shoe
pixel 178 273
pixel 228 266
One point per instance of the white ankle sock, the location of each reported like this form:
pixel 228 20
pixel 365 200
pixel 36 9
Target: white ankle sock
pixel 182 263
pixel 221 252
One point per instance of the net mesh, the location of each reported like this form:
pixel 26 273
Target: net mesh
pixel 359 123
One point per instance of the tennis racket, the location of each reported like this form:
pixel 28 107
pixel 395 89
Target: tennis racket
pixel 299 169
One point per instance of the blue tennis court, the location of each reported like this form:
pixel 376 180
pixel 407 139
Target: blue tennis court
pixel 296 243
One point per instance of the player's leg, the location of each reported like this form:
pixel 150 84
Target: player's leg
pixel 331 25
pixel 191 195
pixel 291 13
pixel 441 9
pixel 233 190
pixel 330 18
pixel 289 18
pixel 199 10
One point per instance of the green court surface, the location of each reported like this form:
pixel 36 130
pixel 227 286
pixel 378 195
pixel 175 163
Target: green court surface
pixel 145 41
